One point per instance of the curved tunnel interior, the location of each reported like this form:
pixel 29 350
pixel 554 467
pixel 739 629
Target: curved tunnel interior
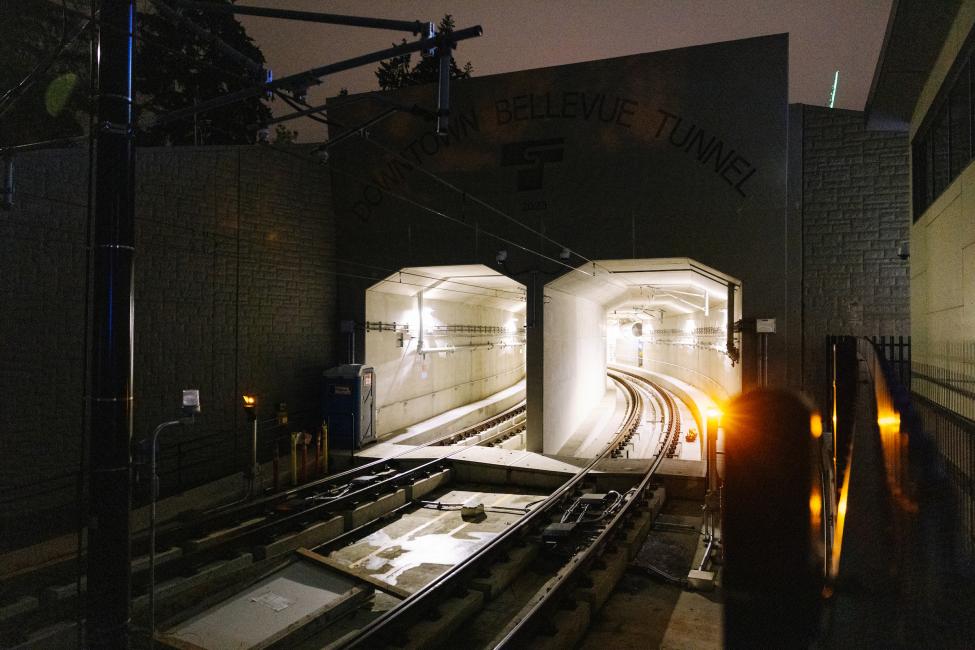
pixel 448 347
pixel 665 320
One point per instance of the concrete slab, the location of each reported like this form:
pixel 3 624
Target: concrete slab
pixel 19 607
pixel 568 626
pixel 218 536
pixel 503 574
pixel 425 542
pixel 604 577
pixel 425 486
pixel 366 512
pixel 449 617
pixel 163 557
pixel 272 611
pixel 204 577
pixel 669 616
pixel 58 593
pixel 58 636
pixel 310 537
pixel 460 417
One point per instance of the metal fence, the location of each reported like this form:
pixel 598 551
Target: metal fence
pixel 928 506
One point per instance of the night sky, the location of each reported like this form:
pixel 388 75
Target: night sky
pixel 825 35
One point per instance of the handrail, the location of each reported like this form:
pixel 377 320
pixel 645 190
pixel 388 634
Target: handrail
pixel 903 523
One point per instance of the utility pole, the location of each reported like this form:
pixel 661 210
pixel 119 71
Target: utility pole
pixel 110 382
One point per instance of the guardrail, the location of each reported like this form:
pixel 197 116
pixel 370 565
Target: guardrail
pixel 903 535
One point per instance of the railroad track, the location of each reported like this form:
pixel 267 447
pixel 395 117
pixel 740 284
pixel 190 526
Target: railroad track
pixel 225 533
pixel 187 548
pixel 577 554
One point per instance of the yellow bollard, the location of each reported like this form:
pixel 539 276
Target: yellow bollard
pixel 325 447
pixel 294 457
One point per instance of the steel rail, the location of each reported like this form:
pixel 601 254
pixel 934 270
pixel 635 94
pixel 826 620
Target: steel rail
pixel 180 533
pixel 564 579
pixel 300 518
pixel 227 512
pixel 426 599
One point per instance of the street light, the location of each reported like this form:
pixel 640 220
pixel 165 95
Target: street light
pixel 250 408
pixel 190 407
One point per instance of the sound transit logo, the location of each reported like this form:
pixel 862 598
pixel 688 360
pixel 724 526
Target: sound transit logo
pixel 532 156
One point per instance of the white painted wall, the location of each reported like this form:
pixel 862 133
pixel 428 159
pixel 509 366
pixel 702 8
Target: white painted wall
pixel 411 388
pixel 943 258
pixel 706 369
pixel 575 363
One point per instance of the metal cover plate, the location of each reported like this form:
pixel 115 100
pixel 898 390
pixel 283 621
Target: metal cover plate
pixel 270 610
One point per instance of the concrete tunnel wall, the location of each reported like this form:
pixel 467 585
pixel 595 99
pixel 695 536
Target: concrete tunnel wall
pixel 702 365
pixel 411 387
pixel 575 353
pixel 678 339
pixel 681 153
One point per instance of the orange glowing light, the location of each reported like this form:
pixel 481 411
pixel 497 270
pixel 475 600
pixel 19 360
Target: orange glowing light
pixel 714 413
pixel 249 400
pixel 816 425
pixel 840 523
pixel 890 420
pixel 815 507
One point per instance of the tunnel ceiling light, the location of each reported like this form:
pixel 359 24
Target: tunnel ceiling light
pixel 672 306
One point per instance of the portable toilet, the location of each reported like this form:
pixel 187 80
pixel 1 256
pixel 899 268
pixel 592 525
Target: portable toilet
pixel 350 406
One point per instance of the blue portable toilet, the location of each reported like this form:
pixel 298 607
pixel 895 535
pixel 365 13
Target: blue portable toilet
pixel 350 406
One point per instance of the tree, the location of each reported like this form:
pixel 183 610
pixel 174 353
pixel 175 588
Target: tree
pixel 177 69
pixel 397 72
pixel 284 135
pixel 41 101
pixel 174 69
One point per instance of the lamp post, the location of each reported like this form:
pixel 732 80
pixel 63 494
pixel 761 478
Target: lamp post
pixel 191 406
pixel 250 408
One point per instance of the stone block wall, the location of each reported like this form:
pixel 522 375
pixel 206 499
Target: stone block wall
pixel 853 201
pixel 234 293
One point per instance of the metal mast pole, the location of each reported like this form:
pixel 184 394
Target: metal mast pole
pixel 110 382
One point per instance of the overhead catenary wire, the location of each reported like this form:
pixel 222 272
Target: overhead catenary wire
pixel 467 195
pixel 461 222
pixel 481 202
pixel 477 200
pixel 426 208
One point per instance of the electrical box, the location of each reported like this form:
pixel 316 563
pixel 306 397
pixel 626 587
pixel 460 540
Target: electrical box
pixel 765 325
pixel 350 405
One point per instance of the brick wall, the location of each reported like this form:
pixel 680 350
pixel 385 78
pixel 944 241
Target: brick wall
pixel 854 207
pixel 233 294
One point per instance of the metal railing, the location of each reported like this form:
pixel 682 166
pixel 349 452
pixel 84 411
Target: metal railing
pixel 908 510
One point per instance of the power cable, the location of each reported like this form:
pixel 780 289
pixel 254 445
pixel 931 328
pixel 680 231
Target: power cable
pixel 461 222
pixel 481 202
pixel 302 107
pixel 467 195
pixel 445 216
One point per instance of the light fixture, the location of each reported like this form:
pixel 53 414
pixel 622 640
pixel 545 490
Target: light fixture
pixel 250 407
